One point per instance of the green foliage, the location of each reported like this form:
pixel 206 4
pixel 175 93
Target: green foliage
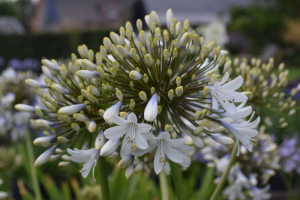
pixel 8 9
pixel 264 21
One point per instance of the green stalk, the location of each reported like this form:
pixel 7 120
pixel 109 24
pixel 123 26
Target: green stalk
pixel 31 159
pixel 225 174
pixel 102 178
pixel 163 185
pixel 176 176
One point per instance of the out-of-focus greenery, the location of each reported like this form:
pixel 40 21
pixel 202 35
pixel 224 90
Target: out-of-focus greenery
pixel 8 9
pixel 267 22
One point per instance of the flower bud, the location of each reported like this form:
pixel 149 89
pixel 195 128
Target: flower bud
pixel 113 110
pixel 139 167
pixel 35 84
pixel 168 128
pixel 69 110
pixel 124 162
pixel 44 157
pixel 198 130
pixel 123 51
pixel 119 95
pixel 145 78
pixel 143 96
pixel 171 94
pixel 51 64
pixel 221 139
pixel 109 147
pixel 135 75
pixel 197 115
pixel 179 91
pixel 184 40
pixel 205 92
pixel 75 127
pixel 87 74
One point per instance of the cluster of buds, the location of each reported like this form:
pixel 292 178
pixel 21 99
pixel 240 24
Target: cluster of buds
pixel 13 90
pixel 249 170
pixel 266 87
pixel 144 93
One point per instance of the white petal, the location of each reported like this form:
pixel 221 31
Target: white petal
pixel 119 120
pixel 158 166
pixel 140 141
pixel 143 128
pixel 132 118
pixel 175 142
pixel 116 132
pixel 140 152
pixel 173 154
pixel 126 147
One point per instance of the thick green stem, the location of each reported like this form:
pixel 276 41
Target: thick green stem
pixel 225 174
pixel 33 174
pixel 163 185
pixel 102 178
pixel 176 176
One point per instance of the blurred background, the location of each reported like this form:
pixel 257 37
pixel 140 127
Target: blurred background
pixel 35 29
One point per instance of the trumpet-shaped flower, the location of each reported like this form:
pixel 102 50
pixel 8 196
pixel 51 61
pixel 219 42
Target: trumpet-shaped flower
pixel 89 157
pixel 133 133
pixel 243 132
pixel 226 95
pixel 165 147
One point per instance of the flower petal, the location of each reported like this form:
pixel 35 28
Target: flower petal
pixel 116 132
pixel 140 141
pixel 126 147
pixel 119 120
pixel 143 128
pixel 173 154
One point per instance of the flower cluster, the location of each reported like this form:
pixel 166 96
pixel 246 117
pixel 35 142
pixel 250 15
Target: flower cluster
pixel 290 155
pixel 266 87
pixel 249 170
pixel 13 91
pixel 144 93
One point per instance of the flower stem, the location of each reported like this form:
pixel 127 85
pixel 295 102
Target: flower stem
pixel 102 178
pixel 33 174
pixel 176 176
pixel 163 185
pixel 225 174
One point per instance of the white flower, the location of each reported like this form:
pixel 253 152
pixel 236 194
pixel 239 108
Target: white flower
pixel 240 114
pixel 243 132
pixel 165 147
pixel 260 194
pixel 69 110
pixel 151 109
pixel 226 95
pixel 113 110
pixel 235 190
pixel 133 133
pixel 89 157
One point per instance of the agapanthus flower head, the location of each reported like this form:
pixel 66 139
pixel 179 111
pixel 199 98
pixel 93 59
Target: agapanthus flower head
pixel 143 91
pixel 267 87
pixel 13 90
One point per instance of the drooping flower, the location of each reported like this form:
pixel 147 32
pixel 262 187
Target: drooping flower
pixel 133 133
pixel 89 157
pixel 243 132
